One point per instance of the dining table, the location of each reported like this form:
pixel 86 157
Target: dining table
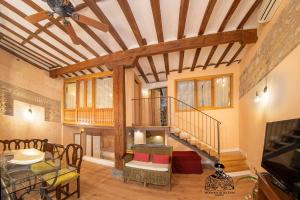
pixel 27 170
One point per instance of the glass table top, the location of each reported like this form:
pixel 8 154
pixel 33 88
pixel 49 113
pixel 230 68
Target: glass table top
pixel 27 170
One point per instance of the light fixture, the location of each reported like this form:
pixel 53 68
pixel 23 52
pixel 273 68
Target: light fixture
pixel 145 92
pixel 265 94
pixel 82 130
pixel 257 98
pixel 29 113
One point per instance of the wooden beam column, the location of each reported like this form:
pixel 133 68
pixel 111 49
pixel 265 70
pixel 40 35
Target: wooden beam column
pixel 119 114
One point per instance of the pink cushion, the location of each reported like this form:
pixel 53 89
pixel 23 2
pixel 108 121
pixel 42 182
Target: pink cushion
pixel 160 159
pixel 144 157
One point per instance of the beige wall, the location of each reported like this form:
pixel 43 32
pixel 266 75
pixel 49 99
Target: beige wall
pixel 24 75
pixel 282 103
pixel 229 117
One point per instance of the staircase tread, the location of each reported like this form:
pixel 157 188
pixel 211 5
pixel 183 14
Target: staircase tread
pixel 237 168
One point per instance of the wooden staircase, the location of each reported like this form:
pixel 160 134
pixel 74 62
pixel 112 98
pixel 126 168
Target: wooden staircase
pixel 233 161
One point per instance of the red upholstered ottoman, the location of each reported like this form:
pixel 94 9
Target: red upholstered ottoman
pixel 186 162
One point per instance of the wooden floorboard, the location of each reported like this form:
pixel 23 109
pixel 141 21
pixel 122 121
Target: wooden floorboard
pixel 97 183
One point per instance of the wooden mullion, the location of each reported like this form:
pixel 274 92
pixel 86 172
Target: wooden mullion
pixel 93 99
pixel 212 81
pixel 85 95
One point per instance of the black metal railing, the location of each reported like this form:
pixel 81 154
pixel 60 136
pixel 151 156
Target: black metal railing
pixel 193 124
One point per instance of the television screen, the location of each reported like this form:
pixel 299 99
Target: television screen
pixel 281 154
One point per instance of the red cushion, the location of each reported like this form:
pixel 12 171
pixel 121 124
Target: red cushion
pixel 161 159
pixel 144 157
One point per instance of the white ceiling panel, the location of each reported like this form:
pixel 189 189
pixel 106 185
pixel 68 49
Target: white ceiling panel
pixel 194 18
pixel 20 5
pixel 170 18
pixel 116 17
pixel 159 63
pixel 151 78
pixel 162 76
pixel 20 20
pixel 142 13
pixel 188 58
pixel 13 27
pixel 239 14
pixel 232 51
pixel 203 55
pixel 145 65
pixel 220 10
pixel 9 34
pixel 252 21
pixel 173 61
pixel 218 53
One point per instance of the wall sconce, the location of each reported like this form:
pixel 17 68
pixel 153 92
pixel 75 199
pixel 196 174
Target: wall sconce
pixel 82 130
pixel 29 113
pixel 257 98
pixel 264 97
pixel 145 92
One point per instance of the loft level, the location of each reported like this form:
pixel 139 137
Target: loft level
pixel 88 100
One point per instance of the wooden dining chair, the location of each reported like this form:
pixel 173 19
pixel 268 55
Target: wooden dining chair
pixel 73 154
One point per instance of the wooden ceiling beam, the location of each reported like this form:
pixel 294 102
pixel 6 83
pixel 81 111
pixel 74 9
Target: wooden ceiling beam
pixel 21 14
pixel 206 17
pixel 230 12
pixel 101 16
pixel 36 46
pixel 224 54
pixel 249 13
pixel 129 56
pixel 184 6
pixel 98 67
pixel 21 52
pixel 22 57
pixel 55 21
pixel 139 68
pixel 27 50
pixel 136 31
pixel 39 38
pixel 236 54
pixel 155 6
pixel 240 26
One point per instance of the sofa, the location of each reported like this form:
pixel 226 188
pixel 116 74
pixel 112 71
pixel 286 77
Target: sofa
pixel 151 171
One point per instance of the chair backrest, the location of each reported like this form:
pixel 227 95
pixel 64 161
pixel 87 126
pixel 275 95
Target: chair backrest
pixel 16 144
pixel 74 154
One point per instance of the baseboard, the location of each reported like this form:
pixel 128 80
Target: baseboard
pixel 230 150
pixel 99 161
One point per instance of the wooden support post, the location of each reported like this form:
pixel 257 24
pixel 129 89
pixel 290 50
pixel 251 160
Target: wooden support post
pixel 119 114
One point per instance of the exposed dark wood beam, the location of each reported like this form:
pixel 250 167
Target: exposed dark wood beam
pixel 39 38
pixel 24 53
pixel 21 57
pixel 249 13
pixel 230 12
pixel 224 54
pixel 36 46
pixel 91 71
pixel 236 54
pixel 131 55
pixel 155 6
pixel 45 59
pixel 98 67
pixel 136 31
pixel 93 35
pixel 240 26
pixel 139 68
pixel 101 16
pixel 184 6
pixel 207 14
pixel 21 14
pixel 14 44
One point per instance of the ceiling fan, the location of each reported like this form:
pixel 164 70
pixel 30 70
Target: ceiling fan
pixel 65 9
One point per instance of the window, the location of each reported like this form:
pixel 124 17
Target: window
pixel 103 91
pixel 205 92
pixel 70 96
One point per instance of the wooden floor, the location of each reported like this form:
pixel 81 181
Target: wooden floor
pixel 97 183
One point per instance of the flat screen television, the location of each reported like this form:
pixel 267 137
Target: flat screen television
pixel 281 154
